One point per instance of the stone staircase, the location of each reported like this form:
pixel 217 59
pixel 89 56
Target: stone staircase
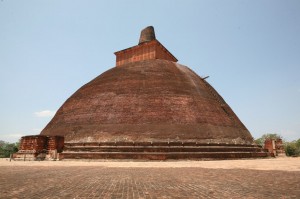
pixel 160 150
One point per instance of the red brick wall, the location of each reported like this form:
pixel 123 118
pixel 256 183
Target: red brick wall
pixel 269 145
pixel 274 146
pixel 36 142
pixel 139 53
pixel 41 143
pixel 161 53
pixel 144 51
pixel 55 143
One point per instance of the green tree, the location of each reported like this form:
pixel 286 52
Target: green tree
pixel 292 148
pixel 261 140
pixel 7 148
pixel 298 143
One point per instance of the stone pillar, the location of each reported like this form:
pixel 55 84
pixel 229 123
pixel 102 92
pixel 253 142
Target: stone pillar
pixel 270 146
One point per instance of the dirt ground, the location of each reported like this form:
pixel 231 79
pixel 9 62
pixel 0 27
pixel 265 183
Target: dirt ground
pixel 253 178
pixel 282 164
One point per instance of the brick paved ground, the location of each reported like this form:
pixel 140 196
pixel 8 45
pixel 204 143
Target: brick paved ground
pixel 112 182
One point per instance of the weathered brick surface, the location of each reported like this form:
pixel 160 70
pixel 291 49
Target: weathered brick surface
pixel 148 97
pixel 147 34
pixel 274 146
pixel 55 143
pixel 35 143
pixel 40 143
pixel 145 51
pixel 152 100
pixel 107 182
pixel 160 150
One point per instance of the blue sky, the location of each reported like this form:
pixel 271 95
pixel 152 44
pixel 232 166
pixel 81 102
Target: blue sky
pixel 250 50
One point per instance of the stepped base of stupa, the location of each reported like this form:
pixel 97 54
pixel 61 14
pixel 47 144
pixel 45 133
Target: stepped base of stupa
pixel 160 150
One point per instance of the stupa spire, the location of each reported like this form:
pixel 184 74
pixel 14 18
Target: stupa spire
pixel 149 48
pixel 147 34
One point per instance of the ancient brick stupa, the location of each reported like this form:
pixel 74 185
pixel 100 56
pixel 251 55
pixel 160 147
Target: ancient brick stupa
pixel 151 107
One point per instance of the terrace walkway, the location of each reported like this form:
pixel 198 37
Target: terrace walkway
pixel 260 178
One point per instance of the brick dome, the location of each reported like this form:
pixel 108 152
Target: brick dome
pixel 147 100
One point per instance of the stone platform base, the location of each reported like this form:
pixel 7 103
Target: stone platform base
pixel 28 156
pixel 160 151
pixel 31 155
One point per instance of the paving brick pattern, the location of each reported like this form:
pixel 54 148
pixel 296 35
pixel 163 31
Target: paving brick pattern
pixel 109 182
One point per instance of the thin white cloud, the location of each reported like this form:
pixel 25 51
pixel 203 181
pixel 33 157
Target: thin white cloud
pixel 45 113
